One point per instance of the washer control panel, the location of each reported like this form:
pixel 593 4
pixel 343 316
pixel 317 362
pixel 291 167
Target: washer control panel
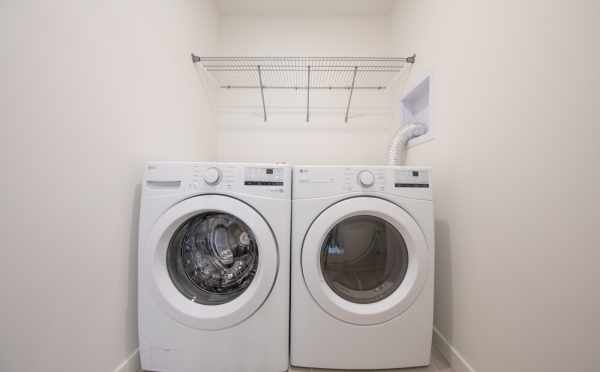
pixel 268 180
pixel 263 176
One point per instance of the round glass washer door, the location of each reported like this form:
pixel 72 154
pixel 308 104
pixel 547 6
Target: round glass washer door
pixel 365 260
pixel 212 258
pixel 215 261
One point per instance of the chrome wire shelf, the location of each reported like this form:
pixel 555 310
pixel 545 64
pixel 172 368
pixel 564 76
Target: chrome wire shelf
pixel 304 73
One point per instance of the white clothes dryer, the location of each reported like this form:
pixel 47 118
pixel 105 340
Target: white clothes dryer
pixel 362 267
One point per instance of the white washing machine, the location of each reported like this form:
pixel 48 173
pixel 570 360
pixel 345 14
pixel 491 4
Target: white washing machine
pixel 213 290
pixel 362 267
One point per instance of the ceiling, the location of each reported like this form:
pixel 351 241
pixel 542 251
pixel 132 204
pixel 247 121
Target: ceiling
pixel 306 7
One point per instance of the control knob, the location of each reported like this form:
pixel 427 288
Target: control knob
pixel 366 178
pixel 212 176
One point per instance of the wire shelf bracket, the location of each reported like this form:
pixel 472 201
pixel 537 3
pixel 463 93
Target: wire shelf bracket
pixel 307 93
pixel 262 93
pixel 350 95
pixel 304 73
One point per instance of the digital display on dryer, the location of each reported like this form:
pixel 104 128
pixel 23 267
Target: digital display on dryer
pixel 411 178
pixel 422 185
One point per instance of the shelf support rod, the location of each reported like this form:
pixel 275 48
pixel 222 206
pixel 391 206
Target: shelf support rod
pixel 350 95
pixel 308 94
pixel 262 92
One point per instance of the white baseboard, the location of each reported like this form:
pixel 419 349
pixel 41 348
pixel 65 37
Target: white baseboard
pixel 131 364
pixel 454 358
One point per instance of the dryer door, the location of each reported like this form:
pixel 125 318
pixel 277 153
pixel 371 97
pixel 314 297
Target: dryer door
pixel 214 261
pixel 365 260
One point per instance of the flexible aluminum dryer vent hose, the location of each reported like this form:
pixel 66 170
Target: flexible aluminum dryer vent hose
pixel 397 149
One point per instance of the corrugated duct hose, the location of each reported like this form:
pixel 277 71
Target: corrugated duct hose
pixel 397 149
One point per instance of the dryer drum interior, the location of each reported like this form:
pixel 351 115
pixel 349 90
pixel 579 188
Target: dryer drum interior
pixel 364 259
pixel 212 258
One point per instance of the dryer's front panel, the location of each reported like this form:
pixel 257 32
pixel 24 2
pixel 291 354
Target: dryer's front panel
pixel 365 260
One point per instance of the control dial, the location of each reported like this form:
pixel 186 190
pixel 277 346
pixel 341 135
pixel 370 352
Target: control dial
pixel 212 176
pixel 366 178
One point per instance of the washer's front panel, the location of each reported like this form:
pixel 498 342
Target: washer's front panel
pixel 215 261
pixel 228 244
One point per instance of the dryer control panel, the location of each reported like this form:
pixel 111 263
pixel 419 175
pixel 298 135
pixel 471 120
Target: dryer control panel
pixel 415 178
pixel 319 181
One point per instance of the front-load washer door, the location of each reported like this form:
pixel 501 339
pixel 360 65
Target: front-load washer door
pixel 215 261
pixel 365 260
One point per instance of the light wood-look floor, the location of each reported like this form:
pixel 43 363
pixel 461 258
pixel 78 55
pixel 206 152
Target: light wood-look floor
pixel 438 364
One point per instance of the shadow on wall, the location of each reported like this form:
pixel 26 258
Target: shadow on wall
pixel 131 311
pixel 443 279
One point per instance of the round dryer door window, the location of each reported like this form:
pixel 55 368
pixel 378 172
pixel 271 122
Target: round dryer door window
pixel 214 262
pixel 365 260
pixel 212 258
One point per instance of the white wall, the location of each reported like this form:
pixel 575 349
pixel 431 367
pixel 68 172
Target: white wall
pixel 286 136
pixel 88 93
pixel 516 174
